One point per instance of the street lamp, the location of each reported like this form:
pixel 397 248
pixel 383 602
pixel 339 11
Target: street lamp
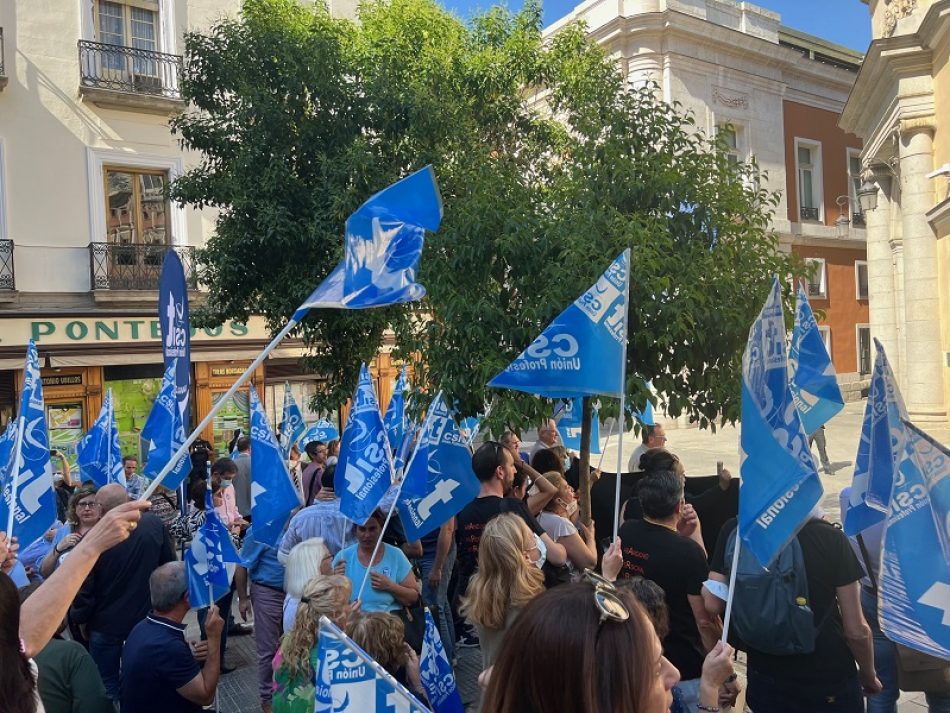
pixel 867 195
pixel 843 222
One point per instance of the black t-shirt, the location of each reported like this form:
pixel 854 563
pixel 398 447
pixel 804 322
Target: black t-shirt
pixel 678 565
pixel 829 563
pixel 156 662
pixel 472 520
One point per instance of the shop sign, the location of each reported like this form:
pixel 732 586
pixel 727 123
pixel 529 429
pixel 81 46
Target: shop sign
pixel 227 370
pixel 63 380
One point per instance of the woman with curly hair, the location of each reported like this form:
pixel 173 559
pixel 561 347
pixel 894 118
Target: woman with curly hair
pixel 383 636
pixel 295 664
pixel 82 513
pixel 508 577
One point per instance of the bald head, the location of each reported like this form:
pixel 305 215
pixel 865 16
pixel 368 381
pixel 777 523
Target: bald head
pixel 110 496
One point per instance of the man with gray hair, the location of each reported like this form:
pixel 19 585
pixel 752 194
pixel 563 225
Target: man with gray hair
pixel 115 595
pixel 548 437
pixel 159 669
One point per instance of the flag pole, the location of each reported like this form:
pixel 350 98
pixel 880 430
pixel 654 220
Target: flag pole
pixel 730 595
pixel 603 451
pixel 623 390
pixel 111 465
pixel 474 434
pixel 15 483
pixel 392 508
pixel 206 421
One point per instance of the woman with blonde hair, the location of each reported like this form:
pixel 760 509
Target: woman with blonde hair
pixel 303 564
pixel 559 520
pixel 295 664
pixel 508 577
pixel 382 636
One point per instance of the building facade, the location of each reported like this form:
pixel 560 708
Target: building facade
pixel 900 106
pixel 87 88
pixel 776 94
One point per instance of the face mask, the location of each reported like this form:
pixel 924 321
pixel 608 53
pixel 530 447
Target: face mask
pixel 543 550
pixel 570 506
pixel 225 484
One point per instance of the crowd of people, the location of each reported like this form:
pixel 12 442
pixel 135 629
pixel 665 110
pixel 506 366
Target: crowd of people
pixel 565 617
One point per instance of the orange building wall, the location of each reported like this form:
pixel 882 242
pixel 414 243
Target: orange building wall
pixel 820 126
pixel 842 310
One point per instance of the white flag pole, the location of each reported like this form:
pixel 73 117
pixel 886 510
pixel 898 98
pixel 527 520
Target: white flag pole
pixel 392 508
pixel 603 451
pixel 730 595
pixel 206 421
pixel 17 451
pixel 623 390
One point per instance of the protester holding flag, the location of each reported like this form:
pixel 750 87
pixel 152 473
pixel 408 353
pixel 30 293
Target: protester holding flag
pixel 295 664
pixel 323 519
pixel 392 582
pixel 508 578
pixel 383 636
pixel 81 516
pixel 559 519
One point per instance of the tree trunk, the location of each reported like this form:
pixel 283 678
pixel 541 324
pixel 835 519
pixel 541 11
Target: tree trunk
pixel 584 467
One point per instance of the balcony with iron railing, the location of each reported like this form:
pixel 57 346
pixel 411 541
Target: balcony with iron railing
pixel 121 77
pixel 3 68
pixel 7 278
pixel 115 266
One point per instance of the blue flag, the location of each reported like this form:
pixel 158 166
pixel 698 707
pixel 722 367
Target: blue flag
pixel 173 316
pixel 780 483
pixel 874 460
pixel 322 431
pixel 439 480
pixel 292 425
pixel 205 561
pixel 383 243
pixel 98 454
pixel 365 469
pixel 349 680
pixel 436 672
pixel 888 413
pixel 581 352
pixel 164 432
pixel 395 418
pixel 569 419
pixel 813 382
pixel 34 503
pixel 273 495
pixel 915 564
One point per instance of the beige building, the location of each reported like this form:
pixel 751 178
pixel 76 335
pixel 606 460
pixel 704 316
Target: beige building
pixel 777 94
pixel 900 106
pixel 86 91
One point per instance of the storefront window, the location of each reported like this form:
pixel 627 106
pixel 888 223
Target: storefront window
pixel 65 429
pixel 232 416
pixel 303 392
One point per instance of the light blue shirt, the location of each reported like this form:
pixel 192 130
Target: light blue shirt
pixel 322 519
pixel 394 565
pixel 260 561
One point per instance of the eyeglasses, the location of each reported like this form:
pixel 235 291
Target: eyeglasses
pixel 86 506
pixel 606 598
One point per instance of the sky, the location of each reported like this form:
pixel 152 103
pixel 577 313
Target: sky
pixel 845 22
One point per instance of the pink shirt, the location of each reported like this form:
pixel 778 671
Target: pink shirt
pixel 227 510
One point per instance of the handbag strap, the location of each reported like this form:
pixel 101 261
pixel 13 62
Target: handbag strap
pixel 867 562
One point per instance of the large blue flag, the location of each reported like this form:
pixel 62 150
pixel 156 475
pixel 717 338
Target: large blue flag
pixel 813 382
pixel 365 469
pixel 349 680
pixel 207 559
pixel 98 454
pixel 164 432
pixel 875 460
pixel 383 243
pixel 569 418
pixel 780 483
pixel 34 503
pixel 888 413
pixel 439 480
pixel 174 318
pixel 581 352
pixel 322 431
pixel 436 672
pixel 273 495
pixel 915 564
pixel 395 418
pixel 292 425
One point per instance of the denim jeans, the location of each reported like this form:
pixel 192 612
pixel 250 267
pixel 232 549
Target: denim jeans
pixel 769 695
pixel 438 600
pixel 106 651
pixel 885 663
pixel 686 696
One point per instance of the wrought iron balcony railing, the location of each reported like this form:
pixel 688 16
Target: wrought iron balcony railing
pixel 135 267
pixel 129 70
pixel 7 281
pixel 809 213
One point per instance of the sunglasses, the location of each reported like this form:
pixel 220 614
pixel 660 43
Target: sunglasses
pixel 606 599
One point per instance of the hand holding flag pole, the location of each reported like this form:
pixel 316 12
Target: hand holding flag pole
pixel 392 507
pixel 383 244
pixel 623 390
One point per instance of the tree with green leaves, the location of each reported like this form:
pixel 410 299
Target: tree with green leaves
pixel 550 164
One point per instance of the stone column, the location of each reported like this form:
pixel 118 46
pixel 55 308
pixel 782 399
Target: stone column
pixel 922 373
pixel 881 277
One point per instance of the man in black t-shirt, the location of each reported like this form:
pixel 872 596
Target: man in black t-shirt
pixel 826 679
pixel 659 548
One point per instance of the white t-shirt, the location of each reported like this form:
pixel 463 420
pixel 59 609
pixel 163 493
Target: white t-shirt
pixel 556 526
pixel 633 465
